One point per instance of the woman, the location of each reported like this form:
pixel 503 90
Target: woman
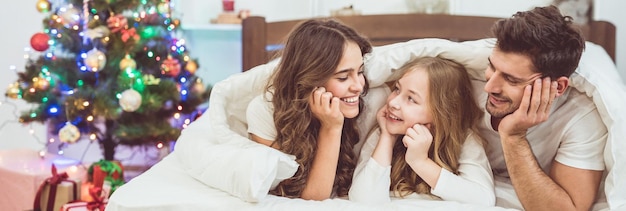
pixel 427 142
pixel 311 105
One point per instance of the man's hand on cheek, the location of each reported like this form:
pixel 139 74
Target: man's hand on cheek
pixel 533 109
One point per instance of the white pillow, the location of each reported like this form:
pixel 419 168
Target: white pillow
pixel 248 171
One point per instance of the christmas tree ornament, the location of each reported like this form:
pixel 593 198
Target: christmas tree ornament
pixel 130 100
pixel 39 41
pixel 80 104
pixel 151 80
pixel 170 67
pixel 43 6
pixel 70 16
pixel 152 19
pixel 105 40
pixel 69 133
pixel 128 63
pixel 129 33
pixel 97 32
pixel 191 67
pixel 198 86
pixel 41 83
pixel 117 23
pixel 13 91
pixel 95 60
pixel 163 8
pixel 176 22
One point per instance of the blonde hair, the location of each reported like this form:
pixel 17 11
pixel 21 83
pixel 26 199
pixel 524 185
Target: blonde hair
pixel 455 114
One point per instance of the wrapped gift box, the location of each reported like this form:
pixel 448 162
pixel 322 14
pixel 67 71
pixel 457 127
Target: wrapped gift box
pixel 56 191
pixel 105 171
pixel 98 200
pixel 23 171
pixel 78 206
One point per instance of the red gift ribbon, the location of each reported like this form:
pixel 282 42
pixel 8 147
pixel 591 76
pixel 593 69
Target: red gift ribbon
pixel 97 204
pixel 53 181
pixel 98 200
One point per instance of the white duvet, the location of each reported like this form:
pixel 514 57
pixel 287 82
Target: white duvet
pixel 215 166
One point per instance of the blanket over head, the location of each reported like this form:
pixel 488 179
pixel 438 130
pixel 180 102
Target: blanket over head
pixel 216 151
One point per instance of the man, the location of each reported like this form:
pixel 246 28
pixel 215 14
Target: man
pixel 544 139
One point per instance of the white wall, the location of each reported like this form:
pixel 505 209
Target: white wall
pixel 613 11
pixel 17 33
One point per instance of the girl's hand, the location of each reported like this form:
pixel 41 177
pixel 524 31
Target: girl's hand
pixel 417 141
pixel 325 107
pixel 381 118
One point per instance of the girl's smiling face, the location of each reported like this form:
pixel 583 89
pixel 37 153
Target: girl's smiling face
pixel 408 103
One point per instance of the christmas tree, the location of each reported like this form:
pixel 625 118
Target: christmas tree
pixel 110 70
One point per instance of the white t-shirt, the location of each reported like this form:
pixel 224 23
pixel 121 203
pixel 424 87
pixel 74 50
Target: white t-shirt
pixel 573 135
pixel 474 183
pixel 259 115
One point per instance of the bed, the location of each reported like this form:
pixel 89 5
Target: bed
pixel 216 167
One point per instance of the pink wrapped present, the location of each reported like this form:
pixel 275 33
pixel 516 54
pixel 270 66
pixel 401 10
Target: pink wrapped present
pixel 22 171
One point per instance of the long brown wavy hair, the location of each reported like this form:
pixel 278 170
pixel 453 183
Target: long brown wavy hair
pixel 310 57
pixel 455 116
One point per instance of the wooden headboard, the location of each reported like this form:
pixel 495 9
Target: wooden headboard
pixel 260 39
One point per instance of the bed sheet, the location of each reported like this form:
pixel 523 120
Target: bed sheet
pixel 166 186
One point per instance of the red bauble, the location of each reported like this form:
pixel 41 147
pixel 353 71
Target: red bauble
pixel 39 41
pixel 170 67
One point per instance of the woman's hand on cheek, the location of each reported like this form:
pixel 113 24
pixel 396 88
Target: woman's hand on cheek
pixel 325 107
pixel 417 141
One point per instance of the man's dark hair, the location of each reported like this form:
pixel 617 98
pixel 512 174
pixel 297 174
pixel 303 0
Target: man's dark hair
pixel 550 39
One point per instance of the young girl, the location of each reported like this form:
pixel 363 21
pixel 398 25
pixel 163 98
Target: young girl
pixel 311 105
pixel 427 141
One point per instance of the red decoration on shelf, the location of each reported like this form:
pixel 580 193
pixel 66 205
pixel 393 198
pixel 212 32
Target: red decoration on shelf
pixel 39 41
pixel 228 5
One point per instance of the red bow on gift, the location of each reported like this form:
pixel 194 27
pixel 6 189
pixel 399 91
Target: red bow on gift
pixel 56 177
pixel 98 200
